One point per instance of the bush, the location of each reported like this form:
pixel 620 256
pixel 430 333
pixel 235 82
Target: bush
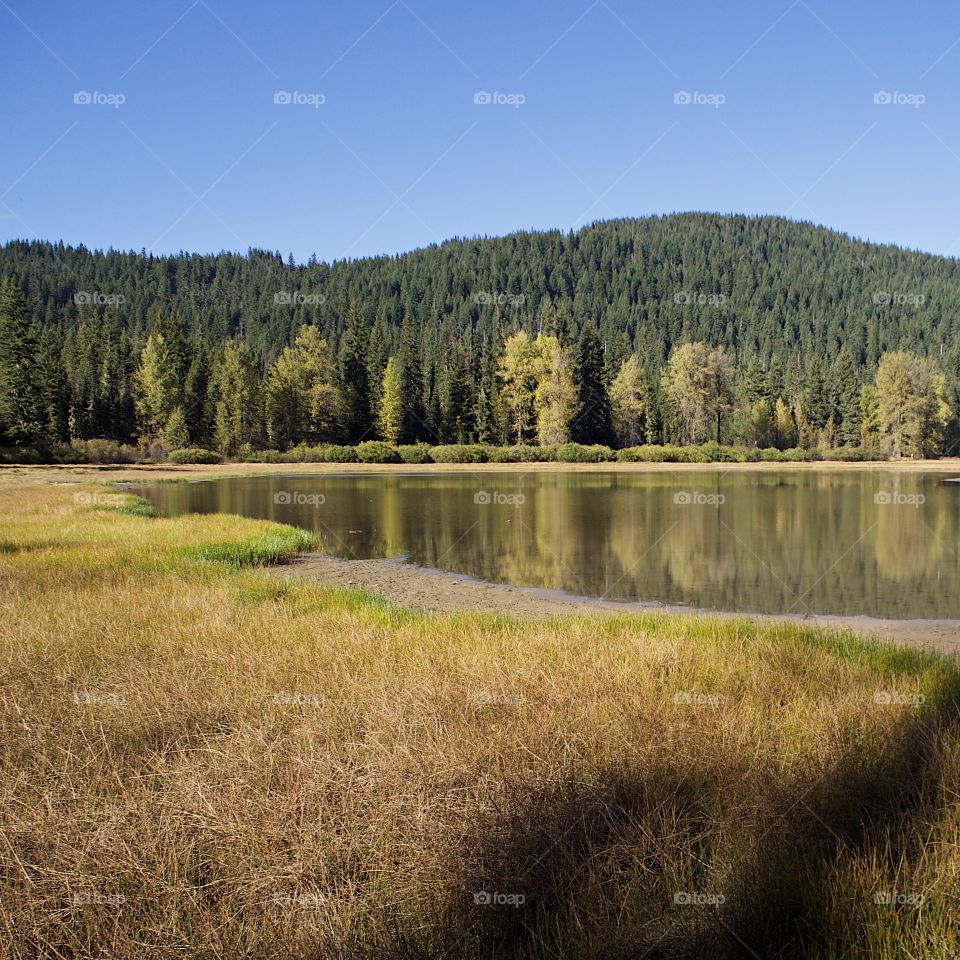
pixel 377 451
pixel 797 455
pixel 581 453
pixel 105 451
pixel 192 455
pixel 263 456
pixel 853 454
pixel 415 453
pixel 521 453
pixel 338 453
pixel 459 453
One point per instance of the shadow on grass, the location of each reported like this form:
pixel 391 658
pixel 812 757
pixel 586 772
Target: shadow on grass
pixel 595 869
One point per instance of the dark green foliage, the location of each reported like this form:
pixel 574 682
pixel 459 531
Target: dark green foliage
pixel 460 453
pixel 592 421
pixel 376 451
pixel 805 312
pixel 23 419
pixel 192 455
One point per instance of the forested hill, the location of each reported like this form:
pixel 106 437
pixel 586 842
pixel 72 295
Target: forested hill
pixel 764 286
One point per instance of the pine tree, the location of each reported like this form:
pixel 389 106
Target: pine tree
pixel 156 389
pixel 592 423
pixel 846 398
pixel 354 387
pixel 22 418
pixel 175 435
pixel 390 419
pixel 237 401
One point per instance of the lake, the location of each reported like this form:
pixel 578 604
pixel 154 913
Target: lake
pixel 845 542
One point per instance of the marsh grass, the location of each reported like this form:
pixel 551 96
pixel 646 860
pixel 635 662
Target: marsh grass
pixel 199 760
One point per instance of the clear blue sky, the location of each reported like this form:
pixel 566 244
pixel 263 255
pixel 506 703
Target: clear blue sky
pixel 199 157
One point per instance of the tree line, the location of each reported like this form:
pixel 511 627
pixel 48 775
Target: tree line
pixel 681 329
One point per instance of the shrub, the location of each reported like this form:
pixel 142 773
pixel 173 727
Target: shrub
pixel 798 455
pixel 415 453
pixel 191 455
pixel 264 456
pixel 459 453
pixel 338 453
pixel 853 454
pixel 520 453
pixel 377 451
pixel 105 451
pixel 581 453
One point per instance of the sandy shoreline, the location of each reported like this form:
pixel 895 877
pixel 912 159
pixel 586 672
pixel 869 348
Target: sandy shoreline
pixel 441 592
pixel 165 472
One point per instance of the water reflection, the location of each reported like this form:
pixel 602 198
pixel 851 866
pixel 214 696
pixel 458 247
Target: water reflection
pixel 852 542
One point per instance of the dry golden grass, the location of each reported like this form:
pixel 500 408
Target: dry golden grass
pixel 200 760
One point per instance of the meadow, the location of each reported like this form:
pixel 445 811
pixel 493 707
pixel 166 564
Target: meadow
pixel 199 759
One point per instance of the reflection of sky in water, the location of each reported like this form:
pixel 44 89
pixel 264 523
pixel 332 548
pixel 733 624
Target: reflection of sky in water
pixel 853 542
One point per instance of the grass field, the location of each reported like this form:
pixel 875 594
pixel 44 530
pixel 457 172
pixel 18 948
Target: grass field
pixel 200 760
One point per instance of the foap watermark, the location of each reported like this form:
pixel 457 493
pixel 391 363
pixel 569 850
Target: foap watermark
pixel 297 98
pixel 95 98
pixel 684 898
pixel 893 698
pixel 697 498
pixel 894 498
pixel 486 297
pixel 98 299
pixel 895 98
pixel 891 898
pixel 98 499
pixel 98 698
pixel 296 899
pixel 92 898
pixel 884 298
pixel 696 98
pixel 293 698
pixel 495 98
pixel 496 700
pixel 487 498
pixel 684 298
pixel 294 298
pixel 296 498
pixel 486 898
pixel 691 698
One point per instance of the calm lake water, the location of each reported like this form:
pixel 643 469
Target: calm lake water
pixel 868 542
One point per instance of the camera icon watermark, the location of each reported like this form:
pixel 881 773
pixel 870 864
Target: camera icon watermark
pixel 294 898
pixel 684 298
pixel 296 98
pixel 894 98
pixel 94 98
pixel 691 698
pixel 884 298
pixel 487 297
pixel 293 698
pixel 294 298
pixel 485 898
pixel 87 898
pixel 494 98
pixel 894 498
pixel 891 898
pixel 893 698
pixel 298 499
pixel 96 298
pixel 486 498
pixel 684 898
pixel 98 698
pixel 695 98
pixel 697 498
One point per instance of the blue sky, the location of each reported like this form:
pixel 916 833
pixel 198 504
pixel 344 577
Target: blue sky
pixel 384 148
